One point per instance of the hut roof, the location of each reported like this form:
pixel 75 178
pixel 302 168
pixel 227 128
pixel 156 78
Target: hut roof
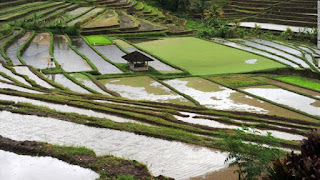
pixel 136 57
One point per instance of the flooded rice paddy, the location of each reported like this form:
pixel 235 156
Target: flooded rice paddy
pixel 284 48
pixel 69 60
pixel 308 50
pixel 102 65
pixel 14 166
pixel 13 49
pixel 211 95
pixel 216 124
pixel 24 70
pixel 112 52
pixel 259 52
pixel 219 97
pixel 169 158
pixel 143 88
pixel 83 79
pixel 315 94
pixel 285 97
pixel 4 79
pixel 37 53
pixel 64 108
pixel 64 81
pixel 9 73
pixel 77 12
pixel 18 88
pixel 275 51
pixel 5 39
pixel 85 16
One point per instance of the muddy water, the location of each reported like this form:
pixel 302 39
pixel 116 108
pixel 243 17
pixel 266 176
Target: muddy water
pixel 215 96
pixel 37 54
pixel 85 16
pixel 103 66
pixel 281 96
pixel 3 40
pixel 287 49
pixel 23 70
pixel 18 88
pixel 61 79
pixel 83 79
pixel 9 73
pixel 262 53
pixel 216 124
pixel 277 52
pixel 143 88
pixel 169 158
pixel 13 49
pixel 67 58
pixel 64 108
pixel 112 52
pixel 14 166
pixel 156 64
pixel 77 12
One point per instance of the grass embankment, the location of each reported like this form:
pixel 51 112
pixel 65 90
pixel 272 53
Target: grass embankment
pixel 238 80
pixel 300 81
pixel 160 120
pixel 162 129
pixel 5 29
pixel 201 57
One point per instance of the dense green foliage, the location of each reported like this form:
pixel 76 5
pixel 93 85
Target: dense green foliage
pixel 251 159
pixel 5 29
pixel 299 166
pixel 172 5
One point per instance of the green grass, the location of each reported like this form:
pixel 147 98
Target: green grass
pixel 139 5
pixel 303 82
pixel 201 57
pixel 99 40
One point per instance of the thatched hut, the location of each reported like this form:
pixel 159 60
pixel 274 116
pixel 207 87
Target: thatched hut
pixel 137 61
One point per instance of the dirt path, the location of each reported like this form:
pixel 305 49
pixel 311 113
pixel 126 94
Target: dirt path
pixel 224 174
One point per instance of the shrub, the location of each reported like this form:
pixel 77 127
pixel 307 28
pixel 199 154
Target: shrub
pixel 251 159
pixel 303 166
pixel 287 35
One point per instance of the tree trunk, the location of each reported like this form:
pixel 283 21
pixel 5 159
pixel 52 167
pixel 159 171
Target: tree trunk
pixel 202 15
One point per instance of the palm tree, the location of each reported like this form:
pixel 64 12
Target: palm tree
pixel 214 11
pixel 200 6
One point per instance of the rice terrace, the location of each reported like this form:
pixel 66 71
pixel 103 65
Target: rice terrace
pixel 159 89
